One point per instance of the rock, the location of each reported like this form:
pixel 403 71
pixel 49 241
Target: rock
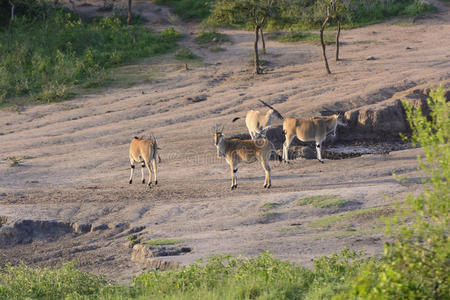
pixel 136 229
pixel 199 98
pixel 143 254
pixel 81 227
pixel 371 58
pixel 99 227
pixel 382 121
pixel 215 40
pixel 25 231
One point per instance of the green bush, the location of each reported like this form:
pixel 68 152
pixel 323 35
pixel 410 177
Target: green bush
pixel 416 264
pixel 302 15
pixel 185 54
pixel 189 9
pixel 211 38
pixel 221 277
pixel 44 59
pixel 19 282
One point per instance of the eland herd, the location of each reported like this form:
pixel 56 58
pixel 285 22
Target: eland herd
pixel 236 150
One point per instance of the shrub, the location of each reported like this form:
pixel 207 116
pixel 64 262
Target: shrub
pixel 44 58
pixel 19 282
pixel 189 9
pixel 415 265
pixel 211 38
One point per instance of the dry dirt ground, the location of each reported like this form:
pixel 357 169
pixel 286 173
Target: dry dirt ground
pixel 75 165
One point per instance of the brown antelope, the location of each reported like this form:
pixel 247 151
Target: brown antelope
pixel 144 151
pixel 308 130
pixel 249 151
pixel 258 123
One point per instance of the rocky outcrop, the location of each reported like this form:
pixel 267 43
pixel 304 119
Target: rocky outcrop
pixel 146 255
pixel 382 121
pixel 23 231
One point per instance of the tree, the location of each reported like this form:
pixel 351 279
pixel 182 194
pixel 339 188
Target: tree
pixel 129 13
pixel 334 9
pixel 246 12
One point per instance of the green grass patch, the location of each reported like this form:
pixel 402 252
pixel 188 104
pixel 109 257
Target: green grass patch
pixel 298 36
pixel 189 9
pixel 269 205
pixel 219 277
pixel 322 201
pixel 21 282
pixel 163 242
pixel 341 221
pixel 133 240
pixel 216 49
pixel 185 54
pixel 44 59
pixel 211 38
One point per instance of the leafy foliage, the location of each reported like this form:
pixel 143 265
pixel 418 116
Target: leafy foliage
pixel 44 58
pixel 211 37
pixel 20 282
pixel 189 9
pixel 304 14
pixel 244 12
pixel 221 277
pixel 163 242
pixel 416 264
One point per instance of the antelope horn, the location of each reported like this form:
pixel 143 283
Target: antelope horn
pixel 274 110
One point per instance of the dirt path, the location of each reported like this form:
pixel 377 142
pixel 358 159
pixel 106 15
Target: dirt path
pixel 75 168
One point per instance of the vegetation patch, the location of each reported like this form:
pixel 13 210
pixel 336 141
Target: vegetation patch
pixel 66 281
pixel 185 54
pixel 220 277
pixel 216 49
pixel 133 238
pixel 15 161
pixel 45 56
pixel 189 9
pixel 341 221
pixel 163 242
pixel 322 201
pixel 298 36
pixel 211 38
pixel 269 205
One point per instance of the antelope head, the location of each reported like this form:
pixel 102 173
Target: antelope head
pixel 218 138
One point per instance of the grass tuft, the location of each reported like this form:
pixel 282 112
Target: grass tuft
pixel 342 221
pixel 269 205
pixel 185 54
pixel 211 38
pixel 163 242
pixel 322 201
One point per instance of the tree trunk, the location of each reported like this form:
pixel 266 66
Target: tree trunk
pixel 13 7
pixel 129 13
pixel 323 45
pixel 262 40
pixel 256 56
pixel 337 37
pixel 261 29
